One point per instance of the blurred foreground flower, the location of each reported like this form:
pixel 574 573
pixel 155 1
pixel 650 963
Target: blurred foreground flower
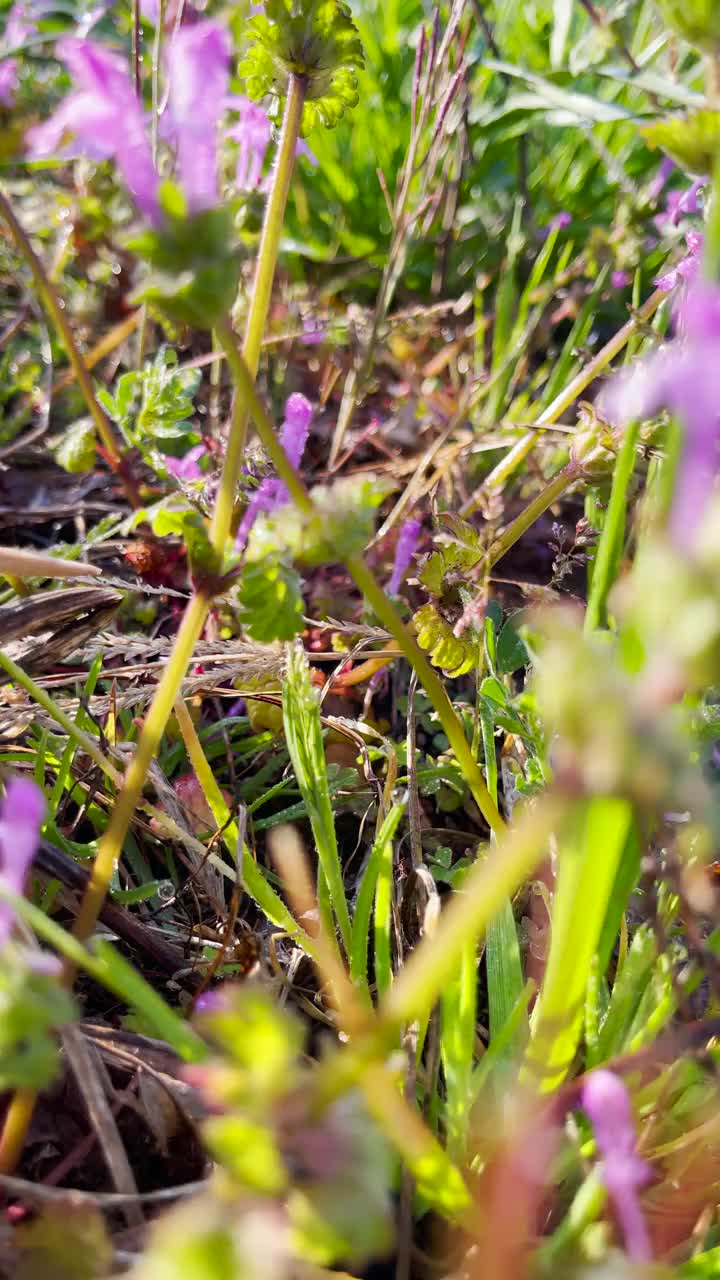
pixel 607 1103
pixel 106 119
pixel 681 378
pixel 21 817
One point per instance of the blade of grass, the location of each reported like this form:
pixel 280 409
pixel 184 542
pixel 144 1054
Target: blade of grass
pixel 588 864
pixel 610 545
pixel 303 733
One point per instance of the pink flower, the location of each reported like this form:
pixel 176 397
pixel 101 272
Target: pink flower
pixel 21 818
pixel 273 493
pixel 619 279
pixel 187 468
pixel 252 132
pixel 681 378
pixel 685 271
pixel 20 24
pixel 607 1103
pixel 405 552
pixel 9 70
pixel 198 69
pixel 105 117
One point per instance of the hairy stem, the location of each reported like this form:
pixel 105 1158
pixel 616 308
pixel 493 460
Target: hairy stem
pixel 383 607
pixel 259 305
pixel 55 310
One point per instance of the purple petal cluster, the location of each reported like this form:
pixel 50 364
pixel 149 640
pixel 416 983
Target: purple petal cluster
pixel 686 269
pixel 607 1104
pixel 273 492
pixel 21 24
pixel 252 132
pixel 405 552
pixel 105 119
pixel 187 468
pixel 682 379
pixel 198 68
pixel 21 818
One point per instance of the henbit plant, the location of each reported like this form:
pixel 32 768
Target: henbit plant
pixel 605 719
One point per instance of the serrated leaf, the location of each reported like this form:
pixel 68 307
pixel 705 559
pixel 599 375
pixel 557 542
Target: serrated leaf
pixel 314 39
pixel 693 141
pixel 189 525
pixel 271 600
pixel 76 451
pixel 440 565
pixel 452 655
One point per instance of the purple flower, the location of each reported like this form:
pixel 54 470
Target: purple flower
pixel 273 493
pixel 685 271
pixel 607 1103
pixel 252 132
pixel 9 71
pixel 679 204
pixel 187 468
pixel 619 279
pixel 660 180
pixel 198 70
pixel 21 817
pixel 105 117
pixel 559 222
pixel 19 26
pixel 407 545
pixel 681 378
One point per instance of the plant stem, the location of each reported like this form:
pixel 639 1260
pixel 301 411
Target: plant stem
pixel 560 483
pixel 377 598
pixel 17 1123
pixel 111 843
pixel 433 686
pixel 486 886
pixel 259 306
pixel 519 452
pixel 55 310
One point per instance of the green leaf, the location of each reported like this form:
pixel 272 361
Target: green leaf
pixel 512 651
pixel 562 17
pixel 316 40
pixel 303 731
pixel 271 600
pixel 76 451
pixel 455 656
pixel 697 21
pixel 194 265
pixel 173 518
pixel 588 865
pixel 693 140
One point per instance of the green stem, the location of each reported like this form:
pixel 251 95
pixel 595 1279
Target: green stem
pixel 163 821
pixel 554 411
pixel 259 306
pixel 609 549
pixel 433 686
pixel 377 598
pixel 564 480
pixel 57 315
pixel 159 711
pixel 486 886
